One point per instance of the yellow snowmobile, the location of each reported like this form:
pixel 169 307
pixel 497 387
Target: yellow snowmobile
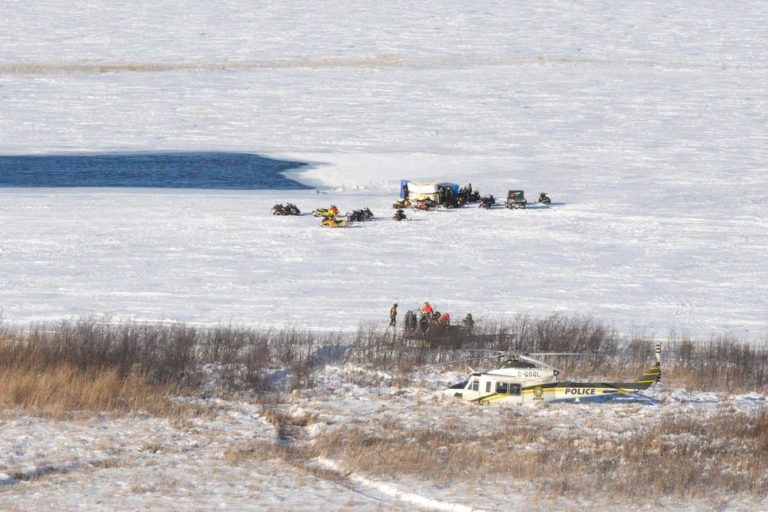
pixel 332 222
pixel 401 203
pixel 326 212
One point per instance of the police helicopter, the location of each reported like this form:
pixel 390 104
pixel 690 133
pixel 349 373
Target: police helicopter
pixel 523 379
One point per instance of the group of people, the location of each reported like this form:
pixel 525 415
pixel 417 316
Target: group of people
pixel 425 318
pixel 465 195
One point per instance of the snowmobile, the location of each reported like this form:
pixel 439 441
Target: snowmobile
pixel 399 215
pixel 285 209
pixel 487 201
pixel 332 222
pixel 544 198
pixel 401 203
pixel 361 215
pixel 326 212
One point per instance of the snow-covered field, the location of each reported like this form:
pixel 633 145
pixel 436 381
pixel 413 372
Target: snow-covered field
pixel 647 122
pixel 114 463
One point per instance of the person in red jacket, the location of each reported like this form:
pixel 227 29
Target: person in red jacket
pixel 445 319
pixel 427 309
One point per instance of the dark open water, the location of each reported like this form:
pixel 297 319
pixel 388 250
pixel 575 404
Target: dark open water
pixel 233 171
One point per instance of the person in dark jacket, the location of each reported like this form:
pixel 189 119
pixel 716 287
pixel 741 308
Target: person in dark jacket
pixel 469 323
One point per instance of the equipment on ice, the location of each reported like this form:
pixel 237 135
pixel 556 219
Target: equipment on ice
pixel 401 203
pixel 326 212
pixel 399 215
pixel 360 215
pixel 516 199
pixel 544 198
pixel 285 209
pixel 487 201
pixel 332 222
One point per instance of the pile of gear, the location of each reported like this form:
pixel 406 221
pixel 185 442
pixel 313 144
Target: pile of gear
pixel 285 209
pixel 425 205
pixel 399 215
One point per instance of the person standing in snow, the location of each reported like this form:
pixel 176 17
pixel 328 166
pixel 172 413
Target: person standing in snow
pixel 393 315
pixel 427 309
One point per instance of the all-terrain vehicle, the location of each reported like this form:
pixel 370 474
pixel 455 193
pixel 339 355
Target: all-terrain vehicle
pixel 516 199
pixel 544 198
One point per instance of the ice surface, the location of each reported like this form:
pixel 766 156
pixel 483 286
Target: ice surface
pixel 645 123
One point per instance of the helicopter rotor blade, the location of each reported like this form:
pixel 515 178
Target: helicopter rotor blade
pixel 538 363
pixel 539 354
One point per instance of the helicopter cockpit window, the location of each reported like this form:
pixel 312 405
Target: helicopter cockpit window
pixel 475 385
pixel 501 387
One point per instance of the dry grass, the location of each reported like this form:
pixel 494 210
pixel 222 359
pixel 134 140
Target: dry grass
pixel 61 389
pixel 680 457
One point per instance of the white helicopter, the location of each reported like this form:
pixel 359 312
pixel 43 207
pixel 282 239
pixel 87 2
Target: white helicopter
pixel 524 380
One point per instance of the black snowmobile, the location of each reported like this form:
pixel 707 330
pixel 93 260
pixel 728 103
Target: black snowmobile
pixel 361 215
pixel 487 201
pixel 399 215
pixel 285 209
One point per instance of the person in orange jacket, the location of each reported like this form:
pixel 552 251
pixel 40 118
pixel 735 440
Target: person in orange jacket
pixel 427 309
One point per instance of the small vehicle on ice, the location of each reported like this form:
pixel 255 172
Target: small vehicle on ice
pixel 399 215
pixel 544 199
pixel 360 215
pixel 285 209
pixel 333 222
pixel 516 199
pixel 326 212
